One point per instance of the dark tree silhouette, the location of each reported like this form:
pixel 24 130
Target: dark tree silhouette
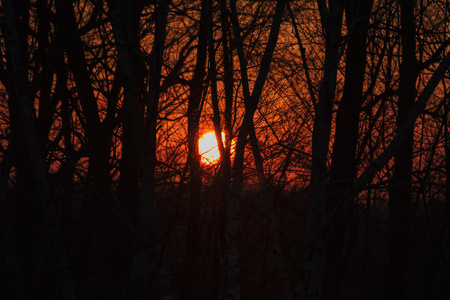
pixel 333 176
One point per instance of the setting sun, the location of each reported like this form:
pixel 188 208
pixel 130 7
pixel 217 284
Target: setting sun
pixel 208 147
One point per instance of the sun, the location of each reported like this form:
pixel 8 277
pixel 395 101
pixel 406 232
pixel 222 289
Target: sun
pixel 209 150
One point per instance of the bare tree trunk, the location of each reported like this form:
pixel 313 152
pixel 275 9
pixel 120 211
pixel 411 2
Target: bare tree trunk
pixel 196 88
pixel 25 208
pixel 148 243
pixel 47 102
pixel 66 22
pixel 402 133
pixel 132 110
pixel 16 280
pixel 344 164
pixel 316 238
pixel 272 220
pixel 251 103
pixel 50 243
pixel 228 76
pixel 97 216
pixel 445 226
pixel 223 146
pixel 147 221
pixel 400 190
pixel 381 161
pixel 223 178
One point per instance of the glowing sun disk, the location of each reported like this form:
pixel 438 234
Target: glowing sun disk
pixel 209 150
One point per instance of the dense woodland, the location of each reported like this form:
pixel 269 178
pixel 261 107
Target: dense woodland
pixel 334 174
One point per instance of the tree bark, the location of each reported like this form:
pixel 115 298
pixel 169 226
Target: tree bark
pixel 251 103
pixel 196 89
pixel 402 133
pixel 400 190
pixel 97 214
pixel 16 282
pixel 316 239
pixel 50 242
pixel 147 240
pixel 274 228
pixel 128 19
pixel 344 165
pixel 44 78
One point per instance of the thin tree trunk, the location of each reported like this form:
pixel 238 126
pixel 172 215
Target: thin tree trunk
pixel 445 226
pixel 196 89
pixel 251 102
pixel 228 78
pixel 316 240
pixel 97 216
pixel 402 133
pixel 47 103
pixel 156 61
pixel 132 110
pixel 344 164
pixel 272 220
pixel 25 207
pixel 223 146
pixel 78 65
pixel 400 190
pixel 147 243
pixel 16 282
pixel 225 175
pixel 21 112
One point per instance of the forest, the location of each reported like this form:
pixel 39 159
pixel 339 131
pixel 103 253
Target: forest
pixel 225 149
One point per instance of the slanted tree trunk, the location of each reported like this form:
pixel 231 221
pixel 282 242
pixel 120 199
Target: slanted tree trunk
pixel 400 190
pixel 344 164
pixel 274 229
pixel 66 23
pixel 402 133
pixel 51 257
pixel 251 103
pixel 97 214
